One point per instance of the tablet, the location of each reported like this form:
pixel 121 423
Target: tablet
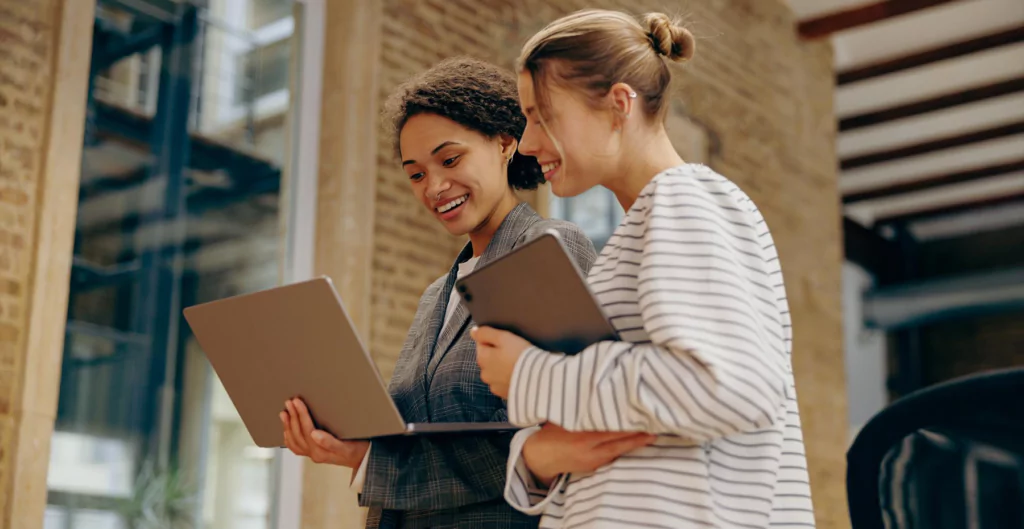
pixel 537 292
pixel 298 341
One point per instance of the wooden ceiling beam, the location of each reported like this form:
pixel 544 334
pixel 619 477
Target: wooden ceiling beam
pixel 960 207
pixel 826 25
pixel 932 104
pixel 1005 37
pixel 948 142
pixel 931 182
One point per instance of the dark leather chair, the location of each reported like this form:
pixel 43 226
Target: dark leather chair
pixel 950 456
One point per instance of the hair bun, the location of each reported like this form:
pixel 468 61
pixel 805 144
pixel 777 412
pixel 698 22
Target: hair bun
pixel 669 38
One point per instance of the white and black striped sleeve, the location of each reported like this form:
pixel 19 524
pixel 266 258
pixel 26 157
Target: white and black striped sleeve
pixel 716 361
pixel 522 491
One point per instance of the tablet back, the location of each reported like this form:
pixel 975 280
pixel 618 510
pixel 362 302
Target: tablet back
pixel 294 341
pixel 537 292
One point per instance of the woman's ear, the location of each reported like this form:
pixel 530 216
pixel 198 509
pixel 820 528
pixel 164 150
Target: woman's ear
pixel 622 98
pixel 508 145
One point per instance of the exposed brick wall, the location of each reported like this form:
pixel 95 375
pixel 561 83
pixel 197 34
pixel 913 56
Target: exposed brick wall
pixel 765 100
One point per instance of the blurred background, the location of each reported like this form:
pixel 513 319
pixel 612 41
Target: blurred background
pixel 930 112
pixel 891 133
pixel 185 140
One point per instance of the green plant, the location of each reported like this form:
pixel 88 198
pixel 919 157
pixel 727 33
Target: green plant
pixel 162 499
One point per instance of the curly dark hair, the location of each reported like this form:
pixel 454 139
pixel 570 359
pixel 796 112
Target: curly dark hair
pixel 473 93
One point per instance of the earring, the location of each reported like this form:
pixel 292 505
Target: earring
pixel 510 159
pixel 632 95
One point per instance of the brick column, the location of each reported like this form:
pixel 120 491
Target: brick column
pixel 45 48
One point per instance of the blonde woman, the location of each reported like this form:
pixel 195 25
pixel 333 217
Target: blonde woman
pixel 692 281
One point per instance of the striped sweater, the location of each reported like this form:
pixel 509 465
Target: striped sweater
pixel 692 282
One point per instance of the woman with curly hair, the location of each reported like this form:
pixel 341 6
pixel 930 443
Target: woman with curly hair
pixel 457 127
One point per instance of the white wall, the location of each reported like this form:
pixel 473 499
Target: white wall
pixel 865 353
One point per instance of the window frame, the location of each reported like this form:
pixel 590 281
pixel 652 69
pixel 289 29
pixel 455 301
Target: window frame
pixel 235 47
pixel 300 227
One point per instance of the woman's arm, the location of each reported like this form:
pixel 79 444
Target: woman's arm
pixel 524 490
pixel 717 356
pixel 541 458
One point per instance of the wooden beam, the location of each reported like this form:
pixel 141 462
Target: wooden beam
pixel 948 142
pixel 859 16
pixel 960 207
pixel 932 104
pixel 874 253
pixel 934 181
pixel 921 58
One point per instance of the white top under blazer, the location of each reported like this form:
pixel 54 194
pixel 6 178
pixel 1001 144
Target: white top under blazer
pixel 692 282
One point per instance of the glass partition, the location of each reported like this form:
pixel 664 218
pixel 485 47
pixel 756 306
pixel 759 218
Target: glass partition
pixel 181 201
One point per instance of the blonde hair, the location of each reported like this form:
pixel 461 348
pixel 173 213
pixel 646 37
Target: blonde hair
pixel 592 50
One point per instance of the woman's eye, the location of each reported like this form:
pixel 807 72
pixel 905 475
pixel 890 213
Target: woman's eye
pixel 450 161
pixel 416 176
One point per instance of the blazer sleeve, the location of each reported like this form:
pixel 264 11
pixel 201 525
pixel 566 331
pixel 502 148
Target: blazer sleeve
pixel 716 363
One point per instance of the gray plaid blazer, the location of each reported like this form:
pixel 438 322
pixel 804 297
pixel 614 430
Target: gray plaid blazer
pixel 452 481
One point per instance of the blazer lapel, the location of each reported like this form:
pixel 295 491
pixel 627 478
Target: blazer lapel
pixel 440 307
pixel 422 349
pixel 439 335
pixel 512 228
pixel 449 336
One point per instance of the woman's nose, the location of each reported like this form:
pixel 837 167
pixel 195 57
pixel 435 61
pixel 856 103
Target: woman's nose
pixel 436 188
pixel 528 143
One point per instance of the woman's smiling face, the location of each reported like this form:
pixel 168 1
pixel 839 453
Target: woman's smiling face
pixel 457 173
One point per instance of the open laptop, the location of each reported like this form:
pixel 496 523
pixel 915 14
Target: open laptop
pixel 298 341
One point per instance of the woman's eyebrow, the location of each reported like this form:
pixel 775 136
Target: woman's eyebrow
pixel 433 152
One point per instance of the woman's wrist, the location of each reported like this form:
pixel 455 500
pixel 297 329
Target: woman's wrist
pixel 358 454
pixel 542 476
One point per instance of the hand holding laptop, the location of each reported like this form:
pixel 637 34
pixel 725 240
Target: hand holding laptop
pixel 303 438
